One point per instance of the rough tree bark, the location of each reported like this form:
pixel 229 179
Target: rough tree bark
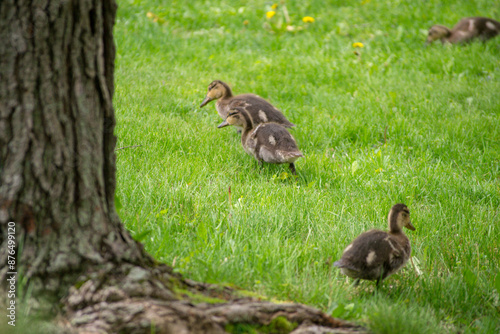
pixel 57 183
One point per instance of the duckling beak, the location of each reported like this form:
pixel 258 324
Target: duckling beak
pixel 205 101
pixel 410 226
pixel 223 124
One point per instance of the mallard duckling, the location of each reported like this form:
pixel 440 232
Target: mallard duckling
pixel 269 142
pixel 465 30
pixel 260 110
pixel 375 255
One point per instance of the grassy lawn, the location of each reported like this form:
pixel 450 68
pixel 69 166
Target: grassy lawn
pixel 395 122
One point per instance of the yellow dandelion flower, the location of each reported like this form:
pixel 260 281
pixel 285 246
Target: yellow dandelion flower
pixel 246 22
pixel 274 6
pixel 358 45
pixel 150 15
pixel 308 19
pixel 270 14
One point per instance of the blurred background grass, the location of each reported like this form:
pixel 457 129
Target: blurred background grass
pixel 395 122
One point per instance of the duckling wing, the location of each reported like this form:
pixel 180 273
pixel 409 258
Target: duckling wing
pixel 368 249
pixel 369 256
pixel 487 28
pixel 260 110
pixel 275 144
pixel 277 136
pixel 464 31
pixel 474 27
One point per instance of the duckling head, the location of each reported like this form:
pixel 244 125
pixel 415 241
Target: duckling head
pixel 437 32
pixel 399 217
pixel 216 90
pixel 236 117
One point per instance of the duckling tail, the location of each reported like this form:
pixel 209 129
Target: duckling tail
pixel 346 266
pixel 292 156
pixel 338 263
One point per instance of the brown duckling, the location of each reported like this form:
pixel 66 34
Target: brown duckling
pixel 375 255
pixel 465 31
pixel 269 142
pixel 259 109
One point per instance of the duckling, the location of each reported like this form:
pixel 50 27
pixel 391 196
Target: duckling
pixel 375 255
pixel 269 142
pixel 465 30
pixel 260 110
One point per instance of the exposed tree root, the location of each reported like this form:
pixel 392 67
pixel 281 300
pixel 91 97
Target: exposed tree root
pixel 136 300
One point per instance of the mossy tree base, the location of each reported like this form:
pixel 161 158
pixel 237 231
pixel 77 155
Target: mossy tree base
pixel 134 299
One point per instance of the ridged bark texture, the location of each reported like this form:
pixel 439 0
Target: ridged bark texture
pixel 57 161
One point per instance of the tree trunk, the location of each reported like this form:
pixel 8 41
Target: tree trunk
pixel 57 184
pixel 57 178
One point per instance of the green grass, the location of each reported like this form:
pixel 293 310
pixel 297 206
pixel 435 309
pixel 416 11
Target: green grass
pixel 438 109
